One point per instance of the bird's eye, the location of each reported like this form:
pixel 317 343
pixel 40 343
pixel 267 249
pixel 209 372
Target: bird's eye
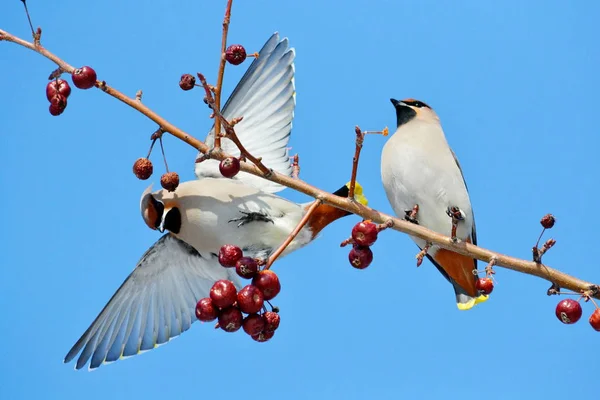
pixel 418 104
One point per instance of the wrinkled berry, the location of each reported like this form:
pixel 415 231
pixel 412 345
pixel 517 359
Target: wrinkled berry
pixel 272 320
pixel 548 221
pixel 187 82
pixel 59 86
pixel 142 168
pixel 169 181
pixel 246 267
pixel 235 54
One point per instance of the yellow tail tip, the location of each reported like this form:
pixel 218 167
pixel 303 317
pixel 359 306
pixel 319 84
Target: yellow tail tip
pixel 472 303
pixel 358 193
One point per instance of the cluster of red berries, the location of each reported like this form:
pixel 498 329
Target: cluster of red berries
pixel 364 234
pixel 569 311
pixel 227 305
pixel 58 89
pixel 142 168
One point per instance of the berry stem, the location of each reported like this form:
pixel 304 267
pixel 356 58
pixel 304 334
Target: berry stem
pixel 537 244
pixel 221 74
pixel 36 37
pixel 162 150
pixel 315 204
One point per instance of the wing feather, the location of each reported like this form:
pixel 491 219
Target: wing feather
pixel 155 303
pixel 266 98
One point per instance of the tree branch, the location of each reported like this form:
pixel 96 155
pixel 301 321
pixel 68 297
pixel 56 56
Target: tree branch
pixel 558 278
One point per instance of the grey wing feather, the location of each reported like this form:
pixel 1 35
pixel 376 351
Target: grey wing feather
pixel 266 98
pixel 155 303
pixel 474 229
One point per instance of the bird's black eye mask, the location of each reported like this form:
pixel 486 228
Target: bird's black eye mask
pixel 173 220
pixel 416 103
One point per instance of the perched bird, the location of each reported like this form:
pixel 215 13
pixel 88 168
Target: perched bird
pixel 419 168
pixel 156 302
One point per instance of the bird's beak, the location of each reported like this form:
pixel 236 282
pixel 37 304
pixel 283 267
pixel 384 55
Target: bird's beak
pixel 397 103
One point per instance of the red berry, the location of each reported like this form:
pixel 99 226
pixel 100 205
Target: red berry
pixel 84 77
pixel 485 285
pixel 595 319
pixel 229 167
pixel 364 233
pixel 229 255
pixel 142 168
pixel 230 319
pixel 235 54
pixel 169 181
pixel 268 283
pixel 246 267
pixel 263 336
pixel 253 324
pixel 187 82
pixel 56 110
pixel 250 299
pixel 58 101
pixel 271 321
pixel 59 86
pixel 360 257
pixel 568 311
pixel 205 310
pixel 548 221
pixel 223 293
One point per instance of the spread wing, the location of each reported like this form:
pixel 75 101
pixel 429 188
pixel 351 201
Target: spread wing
pixel 155 303
pixel 266 98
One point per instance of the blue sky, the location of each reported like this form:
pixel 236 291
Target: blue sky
pixel 515 85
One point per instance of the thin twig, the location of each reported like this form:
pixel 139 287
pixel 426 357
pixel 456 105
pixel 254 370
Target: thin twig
pixel 315 204
pixel 221 74
pixel 360 138
pixel 524 266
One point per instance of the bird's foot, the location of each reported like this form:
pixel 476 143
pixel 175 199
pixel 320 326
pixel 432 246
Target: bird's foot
pixel 457 215
pixel 421 255
pixel 248 217
pixel 411 215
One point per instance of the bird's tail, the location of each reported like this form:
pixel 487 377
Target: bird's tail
pixel 326 214
pixel 466 302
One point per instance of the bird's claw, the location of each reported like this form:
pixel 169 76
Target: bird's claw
pixel 411 215
pixel 251 217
